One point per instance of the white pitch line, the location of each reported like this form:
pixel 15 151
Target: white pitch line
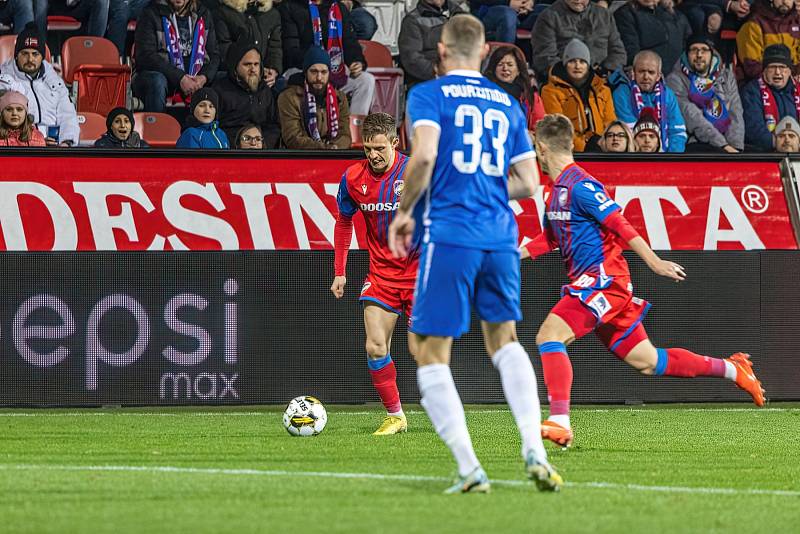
pixel 378 476
pixel 45 413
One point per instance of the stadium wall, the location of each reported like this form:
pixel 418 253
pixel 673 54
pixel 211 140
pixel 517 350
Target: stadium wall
pixel 98 322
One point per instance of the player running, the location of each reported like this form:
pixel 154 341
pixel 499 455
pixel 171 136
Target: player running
pixel 374 187
pixel 471 153
pixel 589 229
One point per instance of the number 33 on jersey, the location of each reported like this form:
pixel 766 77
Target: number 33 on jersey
pixel 483 132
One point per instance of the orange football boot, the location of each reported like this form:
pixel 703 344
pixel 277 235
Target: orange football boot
pixel 556 433
pixel 746 378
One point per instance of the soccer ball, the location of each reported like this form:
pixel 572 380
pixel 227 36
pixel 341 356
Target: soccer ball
pixel 305 416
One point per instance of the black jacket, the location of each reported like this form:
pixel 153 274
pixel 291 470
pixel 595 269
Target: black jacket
pixel 298 35
pixel 653 29
pixel 238 106
pixel 259 24
pixel 107 140
pixel 151 45
pixel 419 34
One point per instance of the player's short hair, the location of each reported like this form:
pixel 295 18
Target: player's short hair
pixel 555 131
pixel 376 124
pixel 464 36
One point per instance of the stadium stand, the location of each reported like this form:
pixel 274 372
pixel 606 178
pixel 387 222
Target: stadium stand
pixel 158 129
pixel 92 125
pixel 99 82
pixel 355 131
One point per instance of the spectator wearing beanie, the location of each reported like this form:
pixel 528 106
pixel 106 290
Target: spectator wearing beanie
pixel 574 90
pixel 769 98
pixel 120 132
pixel 244 96
pixel 314 114
pixel 771 22
pixel 787 135
pixel 646 132
pixel 16 125
pixel 420 33
pixel 647 89
pixel 50 105
pixel 646 25
pixel 709 99
pixel 508 69
pixel 202 126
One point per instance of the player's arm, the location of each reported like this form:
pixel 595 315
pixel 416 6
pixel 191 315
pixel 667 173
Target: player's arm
pixel 619 225
pixel 538 246
pixel 425 148
pixel 523 179
pixel 342 236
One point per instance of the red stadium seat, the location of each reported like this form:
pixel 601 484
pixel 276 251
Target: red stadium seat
pixel 376 54
pixel 99 82
pixel 57 23
pixel 355 131
pixel 7 43
pixel 158 129
pixel 92 125
pixel 388 90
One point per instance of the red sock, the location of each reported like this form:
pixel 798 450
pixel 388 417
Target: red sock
pixel 557 376
pixel 681 362
pixel 384 378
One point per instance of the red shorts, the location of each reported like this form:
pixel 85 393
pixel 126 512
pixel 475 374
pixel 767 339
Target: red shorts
pixel 394 299
pixel 606 305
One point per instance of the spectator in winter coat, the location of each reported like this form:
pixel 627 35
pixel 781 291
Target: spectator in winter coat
pixel 508 69
pixel 50 105
pixel 618 138
pixel 709 99
pixel 647 132
pixel 120 132
pixel 645 25
pixel 420 32
pixel 771 22
pixel 249 138
pixel 244 96
pixel 348 70
pixel 647 89
pixel 16 125
pixel 314 115
pixel 769 98
pixel 575 91
pixel 182 58
pixel 569 19
pixel 787 135
pixel 203 128
pixel 257 22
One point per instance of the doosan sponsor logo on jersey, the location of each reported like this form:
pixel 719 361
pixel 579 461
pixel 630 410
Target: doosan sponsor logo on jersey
pixel 380 206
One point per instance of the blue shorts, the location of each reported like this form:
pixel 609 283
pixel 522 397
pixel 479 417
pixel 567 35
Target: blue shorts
pixel 452 279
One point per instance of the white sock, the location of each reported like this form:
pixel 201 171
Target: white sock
pixel 561 419
pixel 397 414
pixel 440 399
pixel 519 386
pixel 730 370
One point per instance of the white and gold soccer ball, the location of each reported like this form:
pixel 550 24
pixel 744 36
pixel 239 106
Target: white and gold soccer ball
pixel 305 416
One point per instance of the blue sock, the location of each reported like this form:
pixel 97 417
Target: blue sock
pixel 661 364
pixel 377 365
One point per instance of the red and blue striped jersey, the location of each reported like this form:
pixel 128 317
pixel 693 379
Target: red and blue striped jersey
pixel 576 209
pixel 377 197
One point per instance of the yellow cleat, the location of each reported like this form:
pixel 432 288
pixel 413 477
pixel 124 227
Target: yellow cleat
pixel 392 424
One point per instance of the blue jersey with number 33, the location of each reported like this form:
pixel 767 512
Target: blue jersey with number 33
pixel 482 133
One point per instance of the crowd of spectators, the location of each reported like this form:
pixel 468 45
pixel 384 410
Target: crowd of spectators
pixel 632 75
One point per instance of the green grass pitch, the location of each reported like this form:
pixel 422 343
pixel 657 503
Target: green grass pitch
pixel 708 468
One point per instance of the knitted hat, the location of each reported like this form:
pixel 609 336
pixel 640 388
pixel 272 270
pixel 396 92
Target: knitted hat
pixel 647 121
pixel 314 56
pixel 30 37
pixel 700 38
pixel 119 111
pixel 13 97
pixel 777 53
pixel 206 93
pixel 788 123
pixel 576 49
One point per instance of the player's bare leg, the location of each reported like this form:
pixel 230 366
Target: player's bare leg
pixel 379 325
pixel 443 405
pixel 649 360
pixel 519 388
pixel 552 339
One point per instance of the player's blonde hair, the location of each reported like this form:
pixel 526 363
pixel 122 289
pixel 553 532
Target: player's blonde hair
pixel 555 131
pixel 463 36
pixel 379 124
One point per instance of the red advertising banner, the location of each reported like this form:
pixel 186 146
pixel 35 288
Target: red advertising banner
pixel 182 203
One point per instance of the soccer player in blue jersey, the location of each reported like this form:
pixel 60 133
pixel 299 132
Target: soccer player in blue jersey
pixel 588 227
pixel 470 154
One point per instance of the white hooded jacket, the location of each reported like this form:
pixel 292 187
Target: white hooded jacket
pixel 48 99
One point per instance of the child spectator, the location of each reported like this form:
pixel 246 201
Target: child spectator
pixel 16 125
pixel 120 132
pixel 203 129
